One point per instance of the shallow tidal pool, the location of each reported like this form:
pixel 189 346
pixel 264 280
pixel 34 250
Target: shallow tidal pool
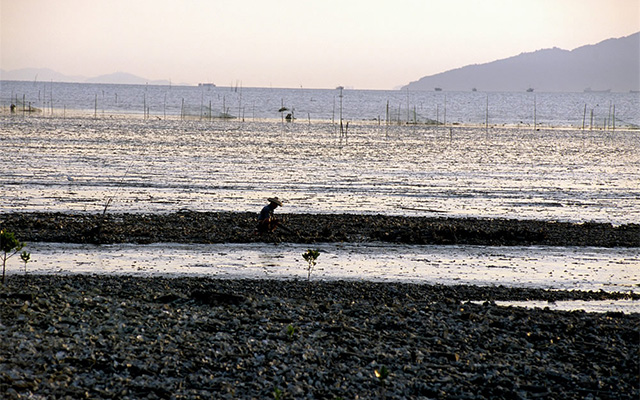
pixel 554 268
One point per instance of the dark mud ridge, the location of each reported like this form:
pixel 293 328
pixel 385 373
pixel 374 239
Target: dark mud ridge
pixel 227 227
pixel 119 337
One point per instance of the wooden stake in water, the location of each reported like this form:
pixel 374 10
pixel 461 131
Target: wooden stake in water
pixel 444 122
pixel 201 103
pixel 535 122
pixel 386 129
pixel 486 118
pixel 240 101
pixel 584 115
pixel 333 114
pixel 613 116
pixel 408 105
pixel 51 97
pixel 341 128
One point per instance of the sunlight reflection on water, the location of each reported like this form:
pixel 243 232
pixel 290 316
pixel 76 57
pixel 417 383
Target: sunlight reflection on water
pixel 568 268
pixel 164 166
pixel 555 268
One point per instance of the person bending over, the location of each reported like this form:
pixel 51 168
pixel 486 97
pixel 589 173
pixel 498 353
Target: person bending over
pixel 267 222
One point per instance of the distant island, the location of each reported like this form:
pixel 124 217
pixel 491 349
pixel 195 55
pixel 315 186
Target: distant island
pixel 611 65
pixel 46 75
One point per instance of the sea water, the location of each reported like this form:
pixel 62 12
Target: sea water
pixel 565 157
pixel 552 268
pixel 589 109
pixel 137 165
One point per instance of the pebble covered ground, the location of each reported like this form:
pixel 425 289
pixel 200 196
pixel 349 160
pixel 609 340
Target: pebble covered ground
pixel 227 227
pixel 122 337
pixel 119 337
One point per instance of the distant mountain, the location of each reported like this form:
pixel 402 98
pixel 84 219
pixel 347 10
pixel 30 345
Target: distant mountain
pixel 38 75
pixel 613 64
pixel 47 75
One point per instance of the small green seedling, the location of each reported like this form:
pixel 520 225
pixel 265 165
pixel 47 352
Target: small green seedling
pixel 9 246
pixel 310 256
pixel 291 330
pixel 382 374
pixel 25 257
pixel 278 394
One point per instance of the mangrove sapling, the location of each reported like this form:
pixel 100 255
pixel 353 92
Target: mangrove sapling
pixel 9 246
pixel 291 330
pixel 278 394
pixel 25 257
pixel 382 374
pixel 310 256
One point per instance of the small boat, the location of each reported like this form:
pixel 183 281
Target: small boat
pixel 589 90
pixel 206 85
pixel 530 90
pixel 438 89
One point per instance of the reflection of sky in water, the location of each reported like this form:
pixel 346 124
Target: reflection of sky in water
pixel 163 166
pixel 570 268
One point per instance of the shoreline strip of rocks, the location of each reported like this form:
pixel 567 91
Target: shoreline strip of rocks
pixel 230 227
pixel 103 337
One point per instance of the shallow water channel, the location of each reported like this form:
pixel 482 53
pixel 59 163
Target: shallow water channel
pixel 559 268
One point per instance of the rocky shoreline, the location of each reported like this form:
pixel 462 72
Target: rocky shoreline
pixel 228 227
pixel 107 337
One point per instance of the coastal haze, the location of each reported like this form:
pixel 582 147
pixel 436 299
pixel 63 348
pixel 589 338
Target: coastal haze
pixel 611 65
pixel 475 233
pixel 359 44
pixel 153 145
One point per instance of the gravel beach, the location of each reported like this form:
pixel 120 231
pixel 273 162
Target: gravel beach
pixel 107 337
pixel 228 227
pixel 123 337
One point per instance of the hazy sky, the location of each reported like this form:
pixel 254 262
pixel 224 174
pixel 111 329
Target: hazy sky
pixel 366 44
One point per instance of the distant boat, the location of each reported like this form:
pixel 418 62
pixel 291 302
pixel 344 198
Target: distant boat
pixel 438 89
pixel 530 90
pixel 474 90
pixel 589 90
pixel 207 85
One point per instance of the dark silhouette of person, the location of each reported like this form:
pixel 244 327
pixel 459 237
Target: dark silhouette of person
pixel 267 222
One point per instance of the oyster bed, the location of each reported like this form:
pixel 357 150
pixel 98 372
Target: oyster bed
pixel 86 336
pixel 230 227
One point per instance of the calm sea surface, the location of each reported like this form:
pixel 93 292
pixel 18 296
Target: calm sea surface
pixel 78 164
pixel 163 149
pixel 592 109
